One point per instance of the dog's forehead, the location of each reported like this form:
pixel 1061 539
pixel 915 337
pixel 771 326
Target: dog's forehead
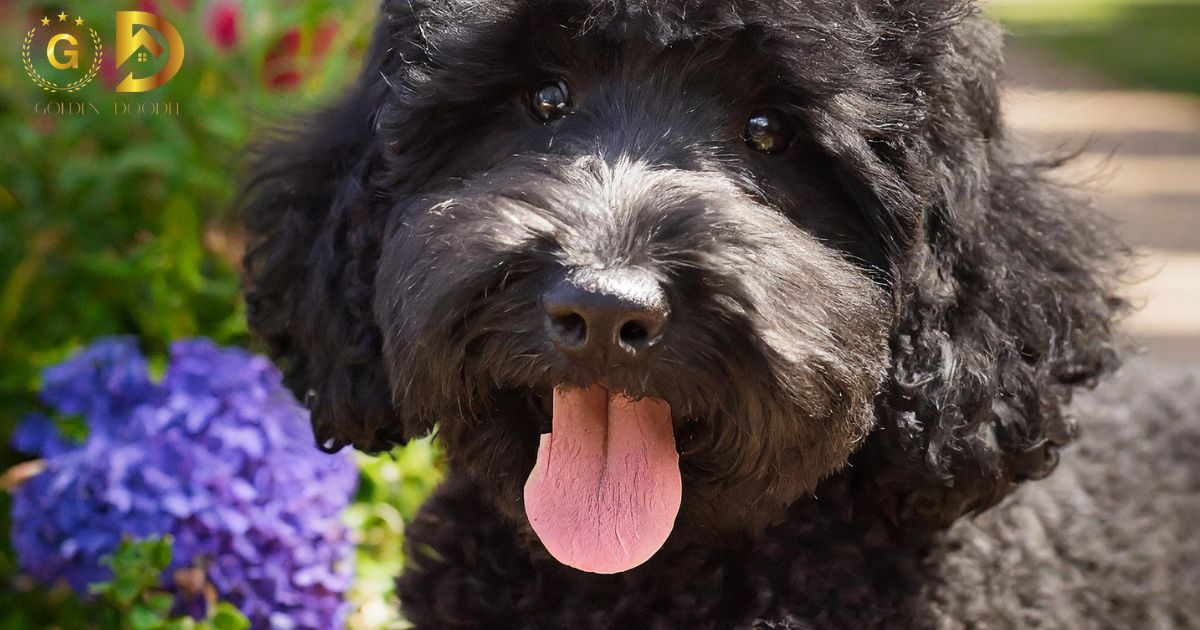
pixel 797 32
pixel 656 21
pixel 669 14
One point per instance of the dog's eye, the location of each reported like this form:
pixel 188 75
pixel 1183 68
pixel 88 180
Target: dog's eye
pixel 767 132
pixel 551 101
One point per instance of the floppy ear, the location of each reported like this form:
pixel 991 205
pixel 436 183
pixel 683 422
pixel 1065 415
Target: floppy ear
pixel 1004 305
pixel 313 226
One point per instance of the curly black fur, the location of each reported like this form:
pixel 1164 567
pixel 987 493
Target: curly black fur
pixel 873 333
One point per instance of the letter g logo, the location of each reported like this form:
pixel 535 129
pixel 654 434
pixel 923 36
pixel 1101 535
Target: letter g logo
pixel 72 58
pixel 71 53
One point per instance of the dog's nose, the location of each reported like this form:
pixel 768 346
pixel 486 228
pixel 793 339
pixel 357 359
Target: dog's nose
pixel 606 317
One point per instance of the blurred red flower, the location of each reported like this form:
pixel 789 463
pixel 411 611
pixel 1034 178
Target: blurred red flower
pixel 323 39
pixel 282 69
pixel 109 74
pixel 279 66
pixel 151 6
pixel 222 25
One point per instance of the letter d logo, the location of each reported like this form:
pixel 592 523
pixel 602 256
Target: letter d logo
pixel 133 36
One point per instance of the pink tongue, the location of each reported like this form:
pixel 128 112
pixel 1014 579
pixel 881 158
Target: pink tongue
pixel 605 490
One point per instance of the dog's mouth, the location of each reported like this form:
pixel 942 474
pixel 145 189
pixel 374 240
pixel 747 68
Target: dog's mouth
pixel 606 487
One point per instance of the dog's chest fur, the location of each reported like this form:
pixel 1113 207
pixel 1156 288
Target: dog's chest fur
pixel 1102 543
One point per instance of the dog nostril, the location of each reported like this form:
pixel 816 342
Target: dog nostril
pixel 570 328
pixel 634 334
pixel 637 333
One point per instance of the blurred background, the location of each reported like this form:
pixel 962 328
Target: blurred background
pixel 119 224
pixel 1119 80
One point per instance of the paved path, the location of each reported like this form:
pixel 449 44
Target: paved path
pixel 1141 160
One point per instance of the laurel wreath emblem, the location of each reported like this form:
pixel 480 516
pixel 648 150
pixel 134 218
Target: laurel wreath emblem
pixel 73 86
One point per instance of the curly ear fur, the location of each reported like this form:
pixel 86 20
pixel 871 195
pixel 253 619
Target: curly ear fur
pixel 1004 300
pixel 311 256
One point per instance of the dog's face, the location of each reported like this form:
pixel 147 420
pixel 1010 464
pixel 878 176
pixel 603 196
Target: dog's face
pixel 648 270
pixel 651 220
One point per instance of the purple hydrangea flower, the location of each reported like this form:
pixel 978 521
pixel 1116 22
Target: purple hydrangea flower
pixel 218 454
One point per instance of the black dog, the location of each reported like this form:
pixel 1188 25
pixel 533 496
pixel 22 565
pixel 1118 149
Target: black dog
pixel 743 302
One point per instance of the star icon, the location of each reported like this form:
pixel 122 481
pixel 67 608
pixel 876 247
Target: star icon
pixel 45 21
pixel 79 21
pixel 62 17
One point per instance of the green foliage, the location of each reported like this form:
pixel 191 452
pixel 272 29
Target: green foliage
pixel 137 568
pixel 28 608
pixel 1143 43
pixel 135 600
pixel 119 223
pixel 391 488
pixel 132 600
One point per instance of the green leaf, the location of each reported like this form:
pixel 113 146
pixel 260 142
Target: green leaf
pixel 227 617
pixel 162 552
pixel 160 602
pixel 142 617
pixel 137 569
